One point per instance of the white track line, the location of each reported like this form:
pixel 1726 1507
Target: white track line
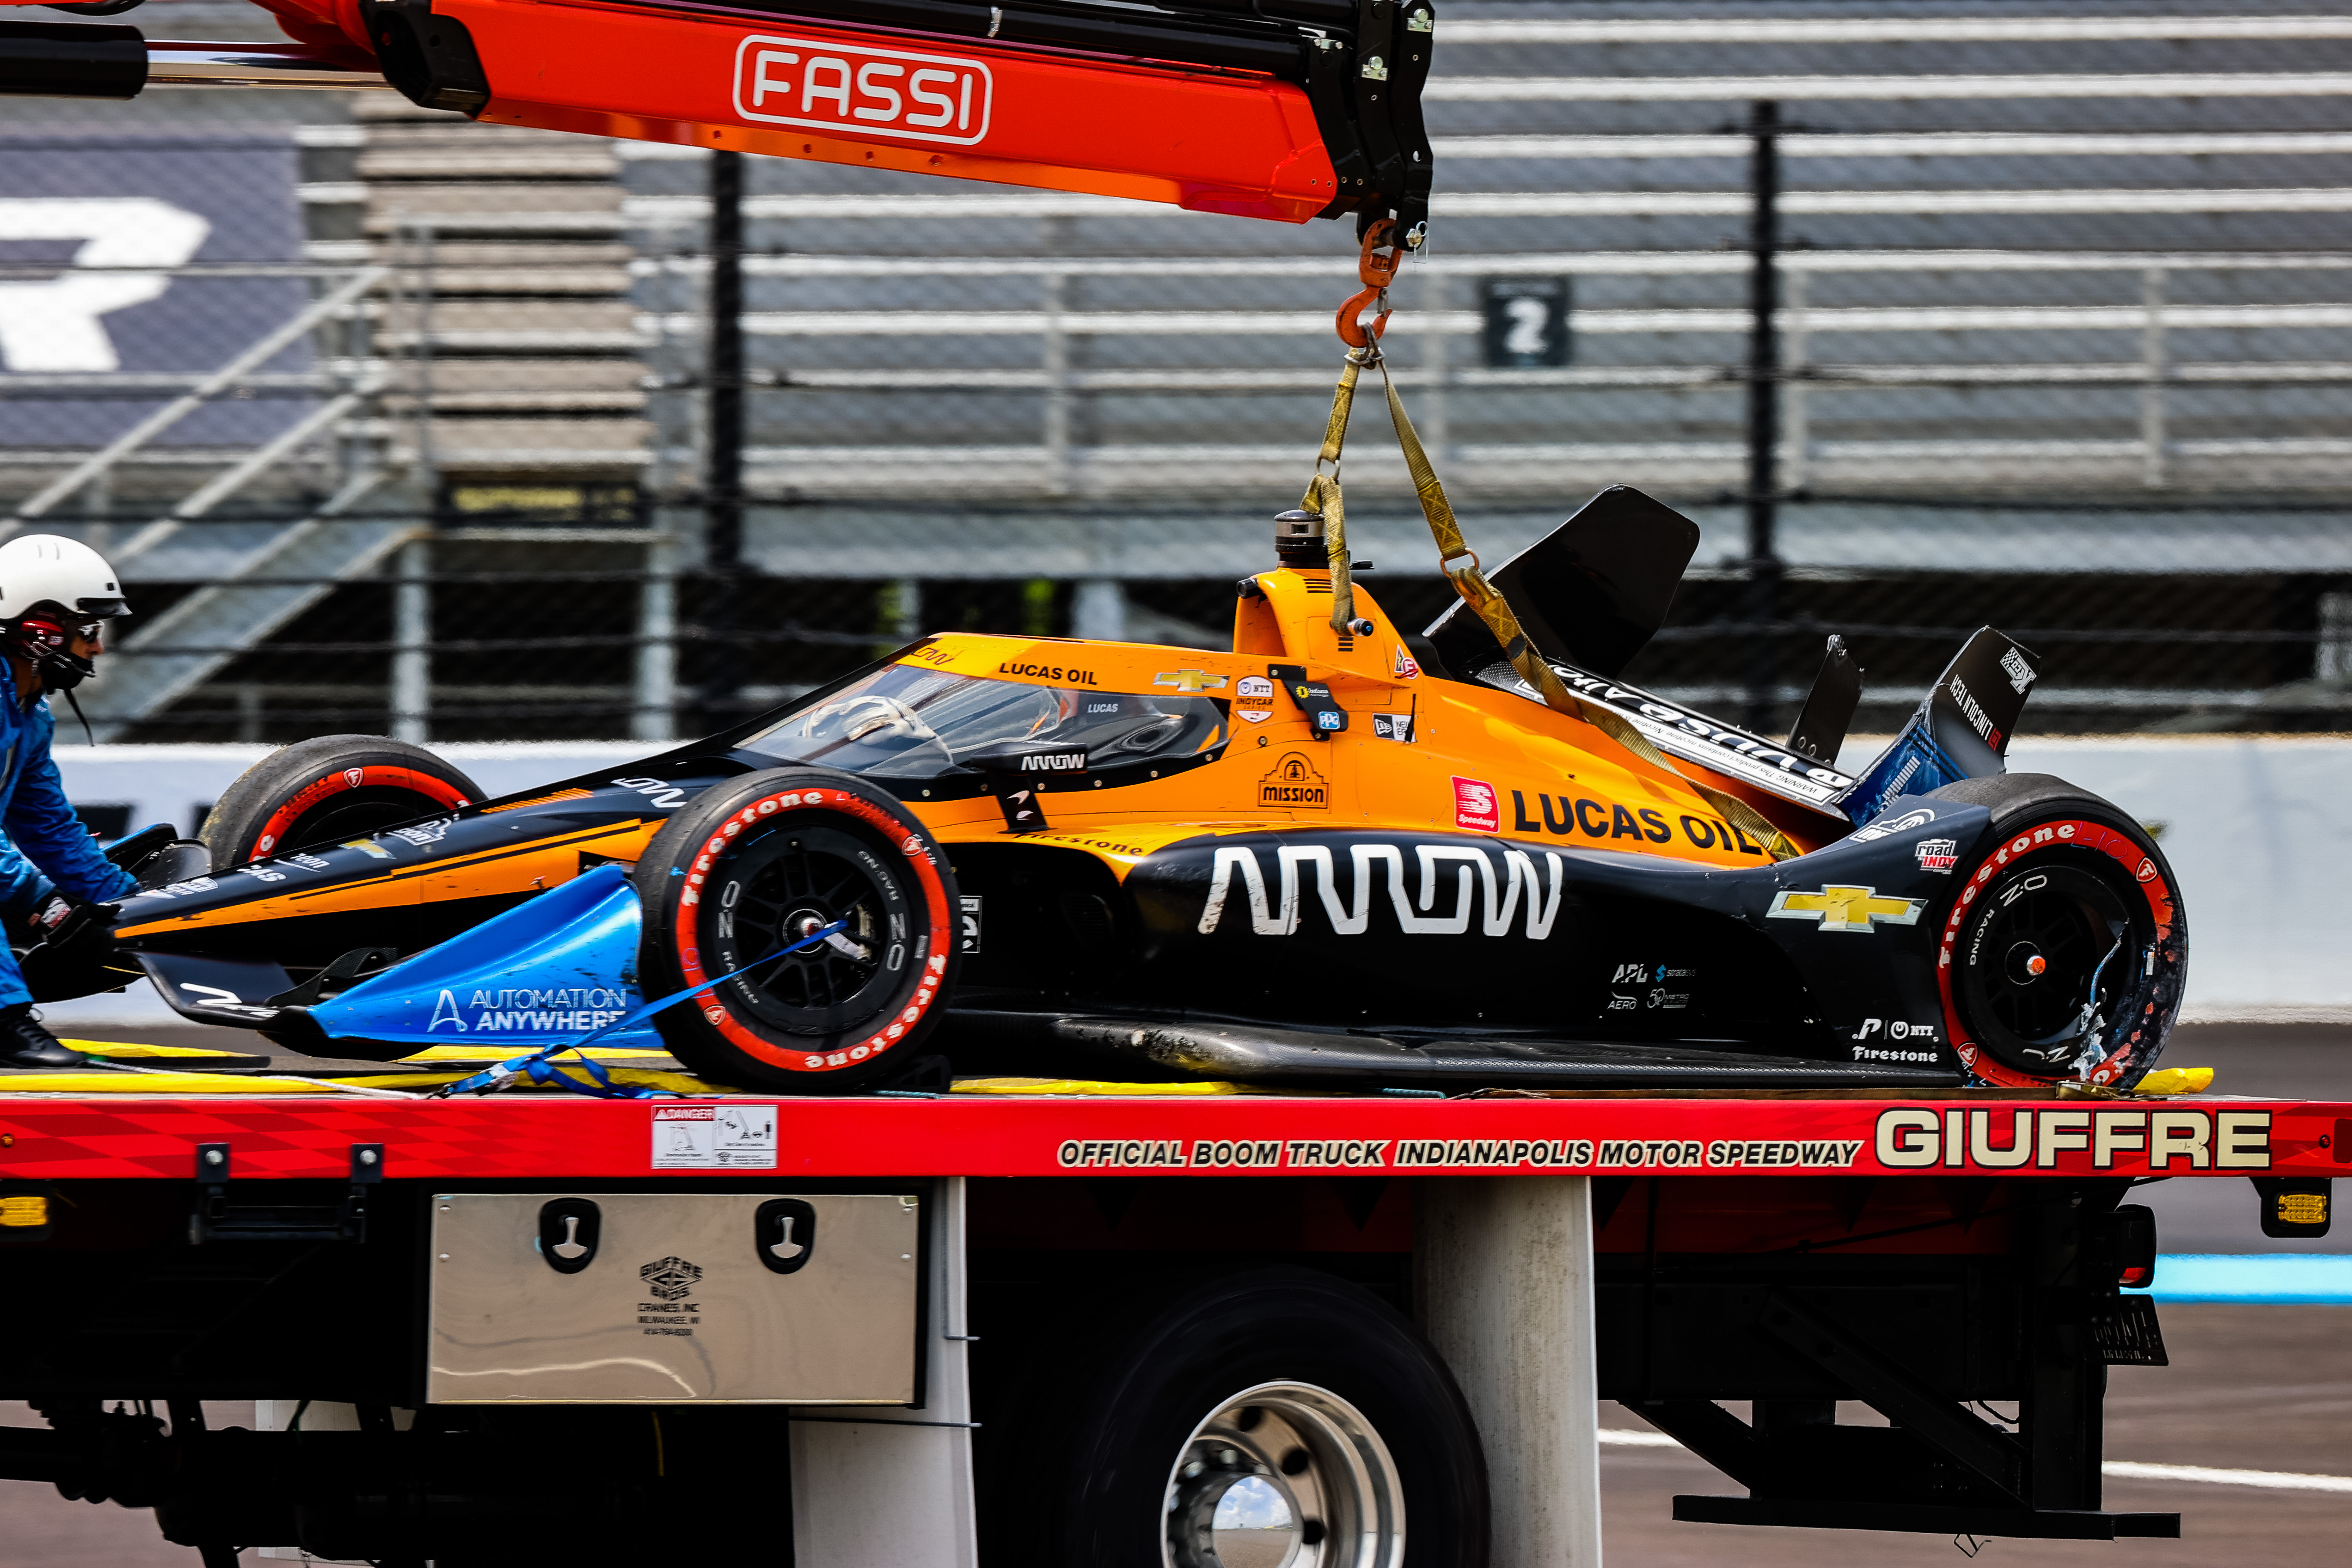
pixel 2282 1481
pixel 2121 1470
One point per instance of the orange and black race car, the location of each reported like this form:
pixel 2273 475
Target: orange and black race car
pixel 1337 855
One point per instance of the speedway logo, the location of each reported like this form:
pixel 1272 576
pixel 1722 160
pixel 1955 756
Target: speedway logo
pixel 1474 807
pixel 862 91
pixel 1488 883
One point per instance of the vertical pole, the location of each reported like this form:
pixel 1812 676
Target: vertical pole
pixel 1796 436
pixel 1058 386
pixel 1098 610
pixel 2151 391
pixel 1763 598
pixel 411 635
pixel 1437 415
pixel 724 480
pixel 652 706
pixel 428 462
pixel 1506 1278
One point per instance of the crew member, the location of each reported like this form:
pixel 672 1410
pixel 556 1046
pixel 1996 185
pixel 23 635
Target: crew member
pixel 55 597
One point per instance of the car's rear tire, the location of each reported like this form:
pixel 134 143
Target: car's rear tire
pixel 1279 1397
pixel 2064 946
pixel 748 867
pixel 326 791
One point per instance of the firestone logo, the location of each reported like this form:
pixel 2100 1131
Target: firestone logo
pixel 864 91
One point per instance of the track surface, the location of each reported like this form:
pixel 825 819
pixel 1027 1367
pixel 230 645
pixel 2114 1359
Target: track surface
pixel 2266 1388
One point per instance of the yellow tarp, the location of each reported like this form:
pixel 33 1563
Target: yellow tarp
pixel 155 1083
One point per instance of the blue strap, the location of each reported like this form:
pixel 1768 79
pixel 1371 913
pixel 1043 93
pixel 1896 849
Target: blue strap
pixel 541 1069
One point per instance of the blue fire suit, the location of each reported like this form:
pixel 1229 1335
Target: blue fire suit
pixel 46 848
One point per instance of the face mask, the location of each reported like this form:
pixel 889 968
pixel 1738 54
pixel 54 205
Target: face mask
pixel 47 645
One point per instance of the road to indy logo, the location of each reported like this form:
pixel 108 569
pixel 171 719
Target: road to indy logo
pixel 865 91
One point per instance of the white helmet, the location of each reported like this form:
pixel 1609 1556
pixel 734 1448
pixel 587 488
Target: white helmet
pixel 45 568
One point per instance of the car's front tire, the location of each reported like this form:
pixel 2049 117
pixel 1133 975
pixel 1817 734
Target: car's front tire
pixel 749 870
pixel 326 791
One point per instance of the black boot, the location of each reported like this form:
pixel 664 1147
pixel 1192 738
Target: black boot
pixel 24 1044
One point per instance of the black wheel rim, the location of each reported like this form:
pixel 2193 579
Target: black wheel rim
pixel 2046 933
pixel 785 886
pixel 354 814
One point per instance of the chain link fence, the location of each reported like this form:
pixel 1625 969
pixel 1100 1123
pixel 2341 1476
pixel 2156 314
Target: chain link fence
pixel 399 423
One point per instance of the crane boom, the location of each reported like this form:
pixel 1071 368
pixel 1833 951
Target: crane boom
pixel 1284 109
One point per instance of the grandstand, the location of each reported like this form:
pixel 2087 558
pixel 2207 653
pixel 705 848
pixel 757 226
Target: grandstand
pixel 2063 340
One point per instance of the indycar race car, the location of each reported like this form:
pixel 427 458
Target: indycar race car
pixel 1337 856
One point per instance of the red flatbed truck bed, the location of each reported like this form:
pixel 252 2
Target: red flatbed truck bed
pixel 418 1279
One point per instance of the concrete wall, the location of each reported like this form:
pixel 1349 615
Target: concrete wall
pixel 2258 831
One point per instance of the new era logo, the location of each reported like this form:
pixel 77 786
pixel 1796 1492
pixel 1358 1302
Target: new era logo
pixel 862 92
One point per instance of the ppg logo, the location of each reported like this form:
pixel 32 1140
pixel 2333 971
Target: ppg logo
pixel 868 92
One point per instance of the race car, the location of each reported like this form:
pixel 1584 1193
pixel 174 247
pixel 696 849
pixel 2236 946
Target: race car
pixel 1338 855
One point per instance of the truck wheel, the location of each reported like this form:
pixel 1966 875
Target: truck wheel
pixel 756 865
pixel 1278 1418
pixel 2064 946
pixel 326 791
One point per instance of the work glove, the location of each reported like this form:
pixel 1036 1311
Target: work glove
pixel 59 920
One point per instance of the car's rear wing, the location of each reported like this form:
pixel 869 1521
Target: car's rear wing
pixel 1286 109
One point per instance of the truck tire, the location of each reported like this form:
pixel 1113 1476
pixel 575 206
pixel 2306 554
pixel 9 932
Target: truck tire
pixel 2063 947
pixel 748 867
pixel 1279 1416
pixel 326 791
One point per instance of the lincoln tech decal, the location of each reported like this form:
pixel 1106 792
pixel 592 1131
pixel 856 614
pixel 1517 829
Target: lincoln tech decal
pixel 861 91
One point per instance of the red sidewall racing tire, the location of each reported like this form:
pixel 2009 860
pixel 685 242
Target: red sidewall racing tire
pixel 2066 893
pixel 326 791
pixel 751 867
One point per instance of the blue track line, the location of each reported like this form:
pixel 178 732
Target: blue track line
pixel 2262 1278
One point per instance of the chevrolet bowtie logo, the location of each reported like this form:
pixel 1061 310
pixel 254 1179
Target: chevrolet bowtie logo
pixel 1190 680
pixel 1846 909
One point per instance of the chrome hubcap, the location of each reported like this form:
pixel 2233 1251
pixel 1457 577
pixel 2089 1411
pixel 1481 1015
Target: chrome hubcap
pixel 1285 1475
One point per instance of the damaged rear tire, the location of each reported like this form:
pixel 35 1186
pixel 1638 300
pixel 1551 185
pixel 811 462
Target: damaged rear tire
pixel 2064 947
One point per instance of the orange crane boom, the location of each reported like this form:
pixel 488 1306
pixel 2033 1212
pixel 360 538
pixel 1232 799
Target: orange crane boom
pixel 1284 109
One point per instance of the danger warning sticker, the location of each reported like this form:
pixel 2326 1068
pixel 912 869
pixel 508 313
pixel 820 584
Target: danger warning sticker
pixel 714 1138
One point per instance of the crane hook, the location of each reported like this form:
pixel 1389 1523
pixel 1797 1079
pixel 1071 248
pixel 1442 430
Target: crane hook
pixel 1376 270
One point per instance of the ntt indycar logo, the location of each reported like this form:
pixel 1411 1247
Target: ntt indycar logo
pixel 862 92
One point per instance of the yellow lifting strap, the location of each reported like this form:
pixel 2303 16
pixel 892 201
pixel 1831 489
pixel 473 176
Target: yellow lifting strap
pixel 1323 496
pixel 1483 599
